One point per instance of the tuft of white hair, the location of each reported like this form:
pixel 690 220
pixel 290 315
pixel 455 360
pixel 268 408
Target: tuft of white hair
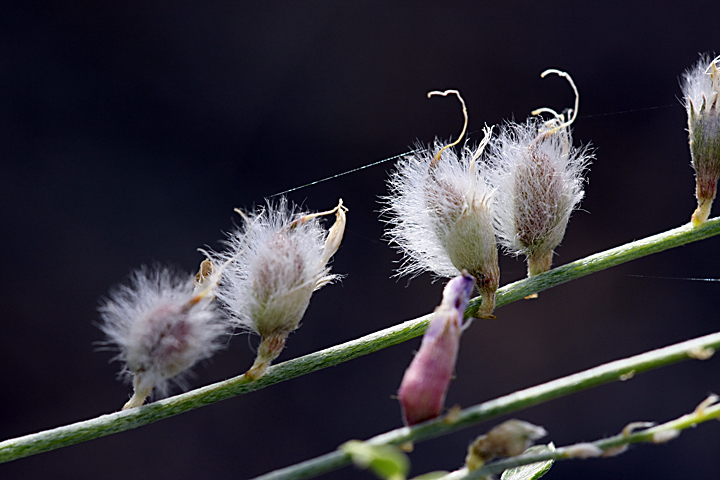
pixel 539 180
pixel 700 88
pixel 275 262
pixel 160 328
pixel 439 213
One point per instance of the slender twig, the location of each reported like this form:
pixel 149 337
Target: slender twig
pixel 126 420
pixel 606 447
pixel 698 348
pixel 601 261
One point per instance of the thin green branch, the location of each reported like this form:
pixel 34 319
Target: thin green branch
pixel 601 261
pixel 698 348
pixel 606 447
pixel 121 421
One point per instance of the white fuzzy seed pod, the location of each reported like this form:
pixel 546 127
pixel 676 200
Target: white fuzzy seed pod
pixel 538 175
pixel 539 181
pixel 439 211
pixel 274 264
pixel 701 88
pixel 162 327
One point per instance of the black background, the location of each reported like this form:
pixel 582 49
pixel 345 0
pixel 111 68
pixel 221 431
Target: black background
pixel 130 130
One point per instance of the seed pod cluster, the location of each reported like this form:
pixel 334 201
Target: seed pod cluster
pixel 446 210
pixel 164 323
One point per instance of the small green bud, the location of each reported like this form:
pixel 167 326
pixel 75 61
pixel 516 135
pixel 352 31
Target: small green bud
pixel 509 439
pixel 386 461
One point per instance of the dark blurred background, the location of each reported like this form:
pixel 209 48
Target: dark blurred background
pixel 130 130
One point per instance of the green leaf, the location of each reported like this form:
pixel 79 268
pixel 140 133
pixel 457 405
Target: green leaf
pixel 431 475
pixel 386 461
pixel 534 470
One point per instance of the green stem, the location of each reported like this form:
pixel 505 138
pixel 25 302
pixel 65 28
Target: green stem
pixel 121 421
pixel 624 369
pixel 612 445
pixel 601 261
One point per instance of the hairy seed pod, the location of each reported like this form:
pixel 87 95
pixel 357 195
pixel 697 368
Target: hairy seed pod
pixel 538 176
pixel 701 87
pixel 162 325
pixel 275 262
pixel 440 213
pixel 539 183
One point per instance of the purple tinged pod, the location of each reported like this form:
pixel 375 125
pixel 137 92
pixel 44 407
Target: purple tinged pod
pixel 425 383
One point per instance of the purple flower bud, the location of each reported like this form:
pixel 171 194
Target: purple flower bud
pixel 701 87
pixel 425 383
